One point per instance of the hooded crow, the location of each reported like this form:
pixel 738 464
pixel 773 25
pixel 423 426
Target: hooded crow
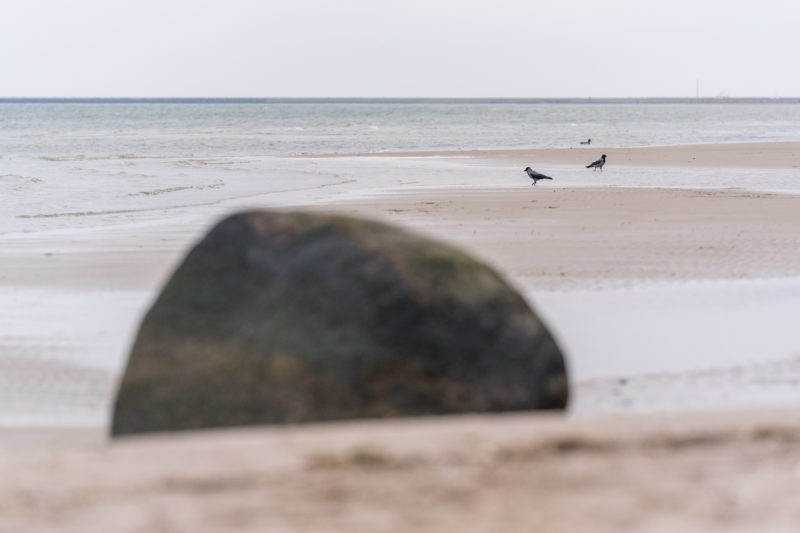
pixel 598 164
pixel 535 176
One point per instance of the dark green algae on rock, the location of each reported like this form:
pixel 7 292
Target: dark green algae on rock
pixel 295 317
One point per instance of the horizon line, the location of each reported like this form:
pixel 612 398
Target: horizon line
pixel 379 100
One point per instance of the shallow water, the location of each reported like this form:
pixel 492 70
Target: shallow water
pixel 671 346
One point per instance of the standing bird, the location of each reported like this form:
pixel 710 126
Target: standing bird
pixel 598 164
pixel 535 176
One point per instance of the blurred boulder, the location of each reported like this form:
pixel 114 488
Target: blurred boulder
pixel 295 317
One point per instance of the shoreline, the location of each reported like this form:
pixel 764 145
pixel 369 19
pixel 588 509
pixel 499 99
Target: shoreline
pixel 784 154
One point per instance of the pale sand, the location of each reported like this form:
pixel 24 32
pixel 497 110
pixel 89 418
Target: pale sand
pixel 733 471
pixel 734 155
pixel 687 473
pixel 585 237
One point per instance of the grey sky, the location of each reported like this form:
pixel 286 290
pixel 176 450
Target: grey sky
pixel 431 48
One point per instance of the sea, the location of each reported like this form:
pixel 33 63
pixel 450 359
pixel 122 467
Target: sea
pixel 74 173
pixel 188 128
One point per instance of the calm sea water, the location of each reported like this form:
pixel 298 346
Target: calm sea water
pixel 230 129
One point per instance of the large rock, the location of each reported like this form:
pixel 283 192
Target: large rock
pixel 295 317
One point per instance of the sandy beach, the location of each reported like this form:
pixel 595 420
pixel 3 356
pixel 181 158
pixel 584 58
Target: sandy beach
pixel 732 155
pixel 570 238
pixel 675 306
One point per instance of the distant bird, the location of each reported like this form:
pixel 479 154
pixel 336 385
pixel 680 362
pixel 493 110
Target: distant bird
pixel 587 141
pixel 598 164
pixel 535 176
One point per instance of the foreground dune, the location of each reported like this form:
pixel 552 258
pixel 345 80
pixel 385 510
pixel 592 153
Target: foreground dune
pixel 688 473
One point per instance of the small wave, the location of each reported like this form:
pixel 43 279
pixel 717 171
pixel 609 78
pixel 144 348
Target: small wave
pixel 199 163
pixel 83 213
pixel 120 211
pixel 82 157
pixel 156 192
pixel 190 163
pixel 336 183
pixel 20 177
pixel 62 158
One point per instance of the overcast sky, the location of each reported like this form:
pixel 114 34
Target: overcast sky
pixel 403 48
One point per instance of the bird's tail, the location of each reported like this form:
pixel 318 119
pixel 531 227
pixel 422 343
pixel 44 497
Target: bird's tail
pixel 546 178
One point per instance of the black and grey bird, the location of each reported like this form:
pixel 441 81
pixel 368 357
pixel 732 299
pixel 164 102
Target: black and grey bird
pixel 598 164
pixel 535 176
pixel 587 141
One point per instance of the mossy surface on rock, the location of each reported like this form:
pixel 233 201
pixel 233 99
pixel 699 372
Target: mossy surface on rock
pixel 295 317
